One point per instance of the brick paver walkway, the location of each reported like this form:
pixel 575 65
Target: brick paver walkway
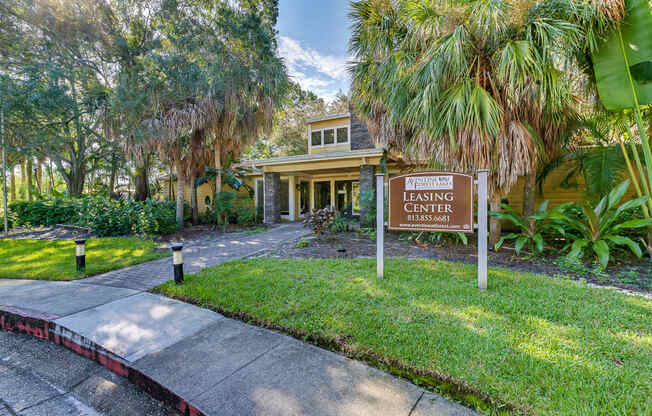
pixel 197 256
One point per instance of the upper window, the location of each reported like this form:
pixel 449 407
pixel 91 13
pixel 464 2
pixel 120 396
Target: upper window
pixel 316 138
pixel 343 135
pixel 329 137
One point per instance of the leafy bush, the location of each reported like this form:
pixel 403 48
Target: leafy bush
pixel 106 217
pixel 224 206
pixel 156 218
pixel 319 220
pixel 601 228
pixel 341 224
pixel 530 235
pixel 43 212
pixel 246 216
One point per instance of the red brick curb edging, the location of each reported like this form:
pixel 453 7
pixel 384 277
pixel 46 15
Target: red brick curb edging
pixel 41 325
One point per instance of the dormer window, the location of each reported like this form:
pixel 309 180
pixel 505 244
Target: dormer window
pixel 329 136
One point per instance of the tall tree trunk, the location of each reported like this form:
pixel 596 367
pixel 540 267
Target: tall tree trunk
pixel 142 184
pixel 39 175
pixel 23 177
pixel 142 179
pixel 12 179
pixel 494 223
pixel 529 195
pixel 30 179
pixel 181 184
pixel 51 174
pixel 193 201
pixel 114 173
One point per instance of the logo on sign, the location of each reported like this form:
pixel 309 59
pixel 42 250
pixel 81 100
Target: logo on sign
pixel 429 183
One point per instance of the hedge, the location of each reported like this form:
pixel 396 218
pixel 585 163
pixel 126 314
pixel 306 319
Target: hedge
pixel 106 217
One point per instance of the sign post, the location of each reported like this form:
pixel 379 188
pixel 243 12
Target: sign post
pixel 380 225
pixel 435 202
pixel 482 228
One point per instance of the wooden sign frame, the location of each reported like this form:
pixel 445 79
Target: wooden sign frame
pixel 455 195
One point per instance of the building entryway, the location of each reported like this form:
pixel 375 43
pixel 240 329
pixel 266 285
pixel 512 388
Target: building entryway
pixel 347 197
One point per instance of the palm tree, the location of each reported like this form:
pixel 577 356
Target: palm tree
pixel 463 84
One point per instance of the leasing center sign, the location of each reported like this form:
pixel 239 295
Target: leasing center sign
pixel 431 201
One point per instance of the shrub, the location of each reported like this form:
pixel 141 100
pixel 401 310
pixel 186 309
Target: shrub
pixel 602 227
pixel 319 220
pixel 341 224
pixel 106 217
pixel 43 212
pixel 530 235
pixel 224 206
pixel 156 218
pixel 246 216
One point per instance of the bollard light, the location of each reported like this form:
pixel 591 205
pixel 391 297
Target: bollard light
pixel 177 260
pixel 80 254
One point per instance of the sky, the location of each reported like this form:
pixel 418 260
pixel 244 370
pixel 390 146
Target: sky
pixel 313 40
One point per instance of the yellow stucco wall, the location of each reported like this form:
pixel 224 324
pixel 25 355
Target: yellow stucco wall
pixel 206 190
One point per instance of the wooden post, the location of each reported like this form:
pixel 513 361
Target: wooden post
pixel 292 197
pixel 380 225
pixel 483 175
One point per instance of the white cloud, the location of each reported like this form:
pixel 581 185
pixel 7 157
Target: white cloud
pixel 322 74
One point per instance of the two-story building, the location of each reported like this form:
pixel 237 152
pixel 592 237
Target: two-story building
pixel 340 166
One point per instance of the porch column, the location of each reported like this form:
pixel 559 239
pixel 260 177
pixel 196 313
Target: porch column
pixel 367 179
pixel 333 194
pixel 272 198
pixel 292 193
pixel 312 195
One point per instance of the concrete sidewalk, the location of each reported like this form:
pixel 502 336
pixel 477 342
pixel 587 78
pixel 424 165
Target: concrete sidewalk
pixel 199 361
pixel 210 364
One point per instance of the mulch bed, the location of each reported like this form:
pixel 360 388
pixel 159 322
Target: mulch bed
pixel 58 232
pixel 633 274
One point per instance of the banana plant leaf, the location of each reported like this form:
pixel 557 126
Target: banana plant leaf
pixel 613 57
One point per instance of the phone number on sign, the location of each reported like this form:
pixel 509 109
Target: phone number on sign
pixel 430 218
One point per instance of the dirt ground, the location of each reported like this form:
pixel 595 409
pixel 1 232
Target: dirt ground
pixel 51 233
pixel 633 274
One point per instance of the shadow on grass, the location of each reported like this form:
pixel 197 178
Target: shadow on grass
pixel 546 346
pixel 55 260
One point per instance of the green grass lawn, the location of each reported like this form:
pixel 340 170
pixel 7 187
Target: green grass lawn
pixel 544 345
pixel 55 260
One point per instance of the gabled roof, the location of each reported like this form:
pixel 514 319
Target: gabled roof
pixel 348 154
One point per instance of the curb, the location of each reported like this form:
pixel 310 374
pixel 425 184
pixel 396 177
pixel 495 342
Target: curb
pixel 41 325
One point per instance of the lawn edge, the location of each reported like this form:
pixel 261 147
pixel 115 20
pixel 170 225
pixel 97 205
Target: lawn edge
pixel 86 276
pixel 432 381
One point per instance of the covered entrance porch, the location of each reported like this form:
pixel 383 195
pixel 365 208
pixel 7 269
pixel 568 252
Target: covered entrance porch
pixel 293 186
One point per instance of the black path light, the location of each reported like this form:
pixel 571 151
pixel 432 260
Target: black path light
pixel 80 252
pixel 177 260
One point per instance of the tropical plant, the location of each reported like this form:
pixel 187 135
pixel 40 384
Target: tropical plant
pixel 319 220
pixel 532 229
pixel 614 49
pixel 223 206
pixel 600 228
pixel 340 224
pixel 467 85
